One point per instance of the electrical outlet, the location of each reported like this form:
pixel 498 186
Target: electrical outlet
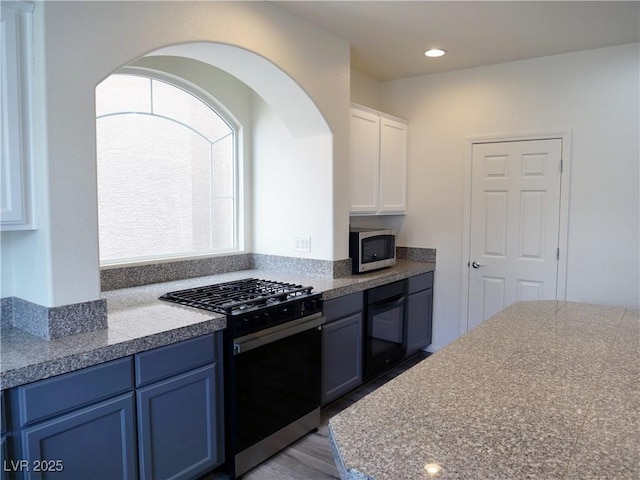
pixel 303 244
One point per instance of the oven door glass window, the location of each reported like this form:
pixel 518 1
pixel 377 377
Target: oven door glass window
pixel 386 326
pixel 277 384
pixel 384 336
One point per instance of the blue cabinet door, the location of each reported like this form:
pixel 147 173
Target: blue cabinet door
pixel 4 458
pixel 4 454
pixel 419 314
pixel 97 442
pixel 180 426
pixel 341 357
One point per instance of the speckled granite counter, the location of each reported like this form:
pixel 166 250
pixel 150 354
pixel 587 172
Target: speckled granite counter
pixel 138 321
pixel 543 390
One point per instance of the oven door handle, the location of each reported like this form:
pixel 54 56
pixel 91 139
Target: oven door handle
pixel 245 344
pixel 389 303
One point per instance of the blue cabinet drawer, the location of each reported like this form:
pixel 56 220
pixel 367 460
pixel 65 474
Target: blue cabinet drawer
pixel 340 307
pixel 420 282
pixel 165 362
pixel 69 391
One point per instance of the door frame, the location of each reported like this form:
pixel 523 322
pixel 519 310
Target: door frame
pixel 563 232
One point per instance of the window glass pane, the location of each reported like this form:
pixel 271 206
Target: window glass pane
pixel 123 93
pixel 223 222
pixel 222 167
pixel 164 189
pixel 145 190
pixel 175 103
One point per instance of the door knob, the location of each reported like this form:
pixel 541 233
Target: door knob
pixel 476 265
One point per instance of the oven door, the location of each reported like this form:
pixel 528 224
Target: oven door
pixel 277 389
pixel 384 337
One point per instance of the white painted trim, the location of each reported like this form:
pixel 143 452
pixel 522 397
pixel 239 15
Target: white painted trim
pixel 379 113
pixel 563 231
pixel 433 348
pixel 19 5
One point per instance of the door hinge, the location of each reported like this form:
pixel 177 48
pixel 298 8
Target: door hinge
pixel 561 165
pixel 558 253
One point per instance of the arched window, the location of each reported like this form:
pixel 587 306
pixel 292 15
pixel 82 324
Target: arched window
pixel 167 171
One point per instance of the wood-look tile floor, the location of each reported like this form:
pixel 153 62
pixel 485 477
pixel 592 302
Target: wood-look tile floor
pixel 310 457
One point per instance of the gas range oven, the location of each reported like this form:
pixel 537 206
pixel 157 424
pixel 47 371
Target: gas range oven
pixel 272 364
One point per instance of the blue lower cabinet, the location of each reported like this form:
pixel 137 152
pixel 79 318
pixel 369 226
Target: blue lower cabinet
pixel 179 428
pixel 341 357
pixel 97 442
pixel 419 312
pixel 162 419
pixel 4 472
pixel 4 449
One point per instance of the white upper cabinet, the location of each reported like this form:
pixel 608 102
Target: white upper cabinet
pixel 393 166
pixel 377 163
pixel 364 162
pixel 16 187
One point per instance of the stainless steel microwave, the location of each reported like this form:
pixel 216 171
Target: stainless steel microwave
pixel 371 249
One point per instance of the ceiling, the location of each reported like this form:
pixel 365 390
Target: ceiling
pixel 388 38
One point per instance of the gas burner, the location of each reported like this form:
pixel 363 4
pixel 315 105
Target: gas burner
pixel 238 296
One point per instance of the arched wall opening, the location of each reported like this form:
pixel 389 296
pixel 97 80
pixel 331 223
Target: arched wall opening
pixel 78 44
pixel 279 90
pixel 288 153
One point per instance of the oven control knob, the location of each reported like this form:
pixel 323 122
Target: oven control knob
pixel 239 325
pixel 265 319
pixel 310 306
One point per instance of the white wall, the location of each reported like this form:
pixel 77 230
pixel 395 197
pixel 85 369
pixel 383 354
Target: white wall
pixel 288 179
pixel 366 90
pixel 77 44
pixel 595 95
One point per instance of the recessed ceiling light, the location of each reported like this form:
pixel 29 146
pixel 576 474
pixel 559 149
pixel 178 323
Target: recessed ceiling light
pixel 435 52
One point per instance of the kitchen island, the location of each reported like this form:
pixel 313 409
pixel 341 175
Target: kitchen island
pixel 544 390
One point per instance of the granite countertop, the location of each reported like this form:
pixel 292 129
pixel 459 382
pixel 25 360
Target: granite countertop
pixel 542 390
pixel 138 321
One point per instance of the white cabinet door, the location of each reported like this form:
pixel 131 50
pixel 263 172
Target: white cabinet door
pixel 16 194
pixel 377 163
pixel 364 158
pixel 393 166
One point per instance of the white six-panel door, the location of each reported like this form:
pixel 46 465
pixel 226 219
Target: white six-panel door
pixel 515 211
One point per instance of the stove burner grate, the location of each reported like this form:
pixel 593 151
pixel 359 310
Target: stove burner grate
pixel 238 295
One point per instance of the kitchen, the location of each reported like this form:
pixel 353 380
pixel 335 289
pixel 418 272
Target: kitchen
pixel 557 93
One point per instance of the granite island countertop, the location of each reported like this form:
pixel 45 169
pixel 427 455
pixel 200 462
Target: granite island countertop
pixel 542 390
pixel 138 321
